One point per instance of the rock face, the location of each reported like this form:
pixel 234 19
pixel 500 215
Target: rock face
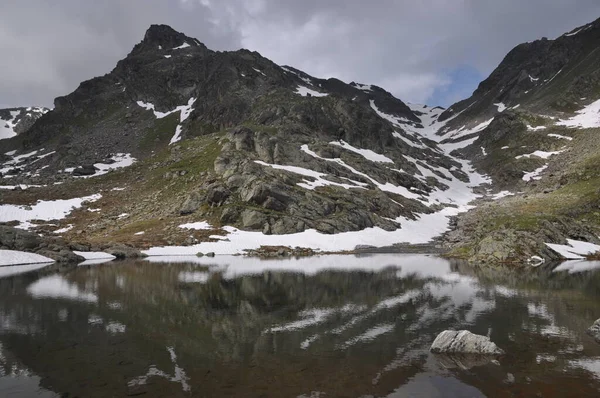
pixel 18 120
pixel 52 247
pixel 463 342
pixel 594 331
pixel 234 139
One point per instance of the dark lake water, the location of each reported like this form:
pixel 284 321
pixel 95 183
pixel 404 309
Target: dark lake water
pixel 331 326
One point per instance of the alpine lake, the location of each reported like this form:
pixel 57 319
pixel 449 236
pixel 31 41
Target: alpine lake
pixel 323 326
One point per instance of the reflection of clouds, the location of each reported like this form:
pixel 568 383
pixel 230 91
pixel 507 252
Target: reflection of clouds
pixel 540 311
pixel 56 286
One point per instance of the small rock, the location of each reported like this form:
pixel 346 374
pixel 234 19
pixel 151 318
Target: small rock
pixel 210 254
pixel 86 170
pixel 199 254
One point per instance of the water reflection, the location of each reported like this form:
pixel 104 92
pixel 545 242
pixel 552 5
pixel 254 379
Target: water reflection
pixel 335 325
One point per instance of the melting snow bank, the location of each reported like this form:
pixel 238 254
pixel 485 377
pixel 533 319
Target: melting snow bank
pixel 365 153
pixel 419 231
pixel 305 92
pixel 95 255
pixel 13 257
pixel 116 161
pixel 185 111
pixel 575 249
pixel 43 210
pixel 586 118
pixel 535 174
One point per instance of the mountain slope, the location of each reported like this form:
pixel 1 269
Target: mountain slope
pixel 225 151
pixel 15 121
pixel 532 126
pixel 232 139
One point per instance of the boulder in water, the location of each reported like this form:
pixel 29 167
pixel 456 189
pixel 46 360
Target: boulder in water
pixel 463 342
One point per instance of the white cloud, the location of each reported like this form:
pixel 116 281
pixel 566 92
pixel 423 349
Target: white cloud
pixel 404 46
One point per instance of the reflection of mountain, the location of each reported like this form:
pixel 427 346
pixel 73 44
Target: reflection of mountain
pixel 266 326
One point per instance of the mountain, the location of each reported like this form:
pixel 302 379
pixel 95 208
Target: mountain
pixel 15 121
pixel 532 126
pixel 183 146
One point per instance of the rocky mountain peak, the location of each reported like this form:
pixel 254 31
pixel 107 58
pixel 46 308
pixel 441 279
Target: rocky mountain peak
pixel 164 37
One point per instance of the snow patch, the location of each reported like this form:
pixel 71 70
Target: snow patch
pixel 535 174
pixel 202 225
pixel 501 107
pixel 185 111
pixel 574 249
pixel 561 137
pixel 365 153
pixel 363 87
pixel 536 128
pixel 259 71
pixel 502 194
pixel 43 210
pixel 540 154
pixel 13 257
pixel 586 118
pixel 305 91
pixel 319 180
pixel 184 45
pixel 95 255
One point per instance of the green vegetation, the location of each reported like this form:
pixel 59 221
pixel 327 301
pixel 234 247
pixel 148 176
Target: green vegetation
pixel 160 133
pixel 261 128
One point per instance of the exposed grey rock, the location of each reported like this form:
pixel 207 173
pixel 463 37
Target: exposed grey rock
pixel 18 239
pixel 121 251
pixel 253 219
pixel 217 194
pixel 463 361
pixel 463 342
pixel 191 203
pixel 229 215
pixel 594 331
pixel 62 256
pixel 85 170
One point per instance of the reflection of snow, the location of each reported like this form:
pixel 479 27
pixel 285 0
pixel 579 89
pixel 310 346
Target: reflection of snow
pixel 178 376
pixel 590 364
pixel 56 286
pixel 114 327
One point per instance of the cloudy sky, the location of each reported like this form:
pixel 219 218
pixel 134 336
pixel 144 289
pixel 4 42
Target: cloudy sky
pixel 427 51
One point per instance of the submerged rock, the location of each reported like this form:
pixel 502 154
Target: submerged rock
pixel 463 361
pixel 463 342
pixel 594 331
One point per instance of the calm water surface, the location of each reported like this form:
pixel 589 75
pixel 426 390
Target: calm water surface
pixel 332 326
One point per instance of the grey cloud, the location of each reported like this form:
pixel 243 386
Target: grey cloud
pixel 408 47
